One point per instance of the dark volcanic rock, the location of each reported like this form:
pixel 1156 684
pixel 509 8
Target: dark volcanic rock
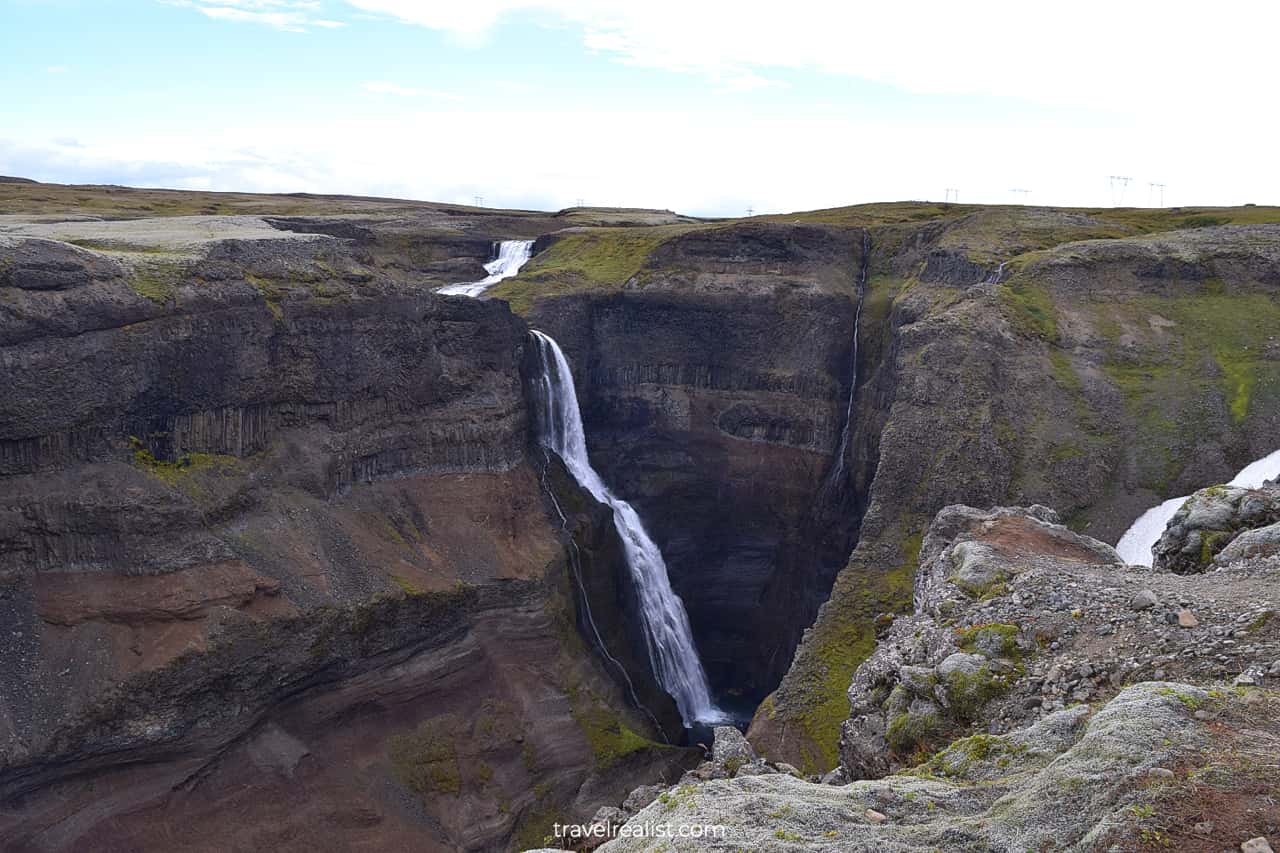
pixel 714 398
pixel 270 525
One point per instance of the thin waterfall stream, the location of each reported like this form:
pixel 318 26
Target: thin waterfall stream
pixel 667 632
pixel 838 470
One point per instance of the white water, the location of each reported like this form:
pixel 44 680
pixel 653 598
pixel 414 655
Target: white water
pixel 838 470
pixel 1135 545
pixel 512 254
pixel 666 624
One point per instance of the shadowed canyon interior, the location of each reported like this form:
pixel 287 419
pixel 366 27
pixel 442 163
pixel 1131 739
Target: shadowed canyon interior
pixel 279 539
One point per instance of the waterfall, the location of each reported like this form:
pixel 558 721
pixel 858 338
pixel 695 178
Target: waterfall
pixel 666 625
pixel 512 255
pixel 838 470
pixel 1135 545
pixel 995 277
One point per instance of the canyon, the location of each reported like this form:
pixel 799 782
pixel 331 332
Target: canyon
pixel 283 562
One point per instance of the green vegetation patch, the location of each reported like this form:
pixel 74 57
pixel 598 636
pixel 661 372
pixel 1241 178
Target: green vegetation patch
pixel 609 737
pixel 1239 374
pixel 994 636
pixel 1261 621
pixel 815 693
pixel 1030 308
pixel 968 757
pixel 911 734
pixel 1207 346
pixel 592 259
pixel 156 279
pixel 178 472
pixel 425 760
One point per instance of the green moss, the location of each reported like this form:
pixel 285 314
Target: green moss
pixel 1239 374
pixel 534 829
pixel 1188 701
pixel 1030 308
pixel 837 645
pixel 1206 346
pixel 591 259
pixel 529 756
pixel 175 473
pixel 1065 451
pixel 424 760
pixel 1257 624
pixel 882 291
pixel 156 279
pixel 907 733
pixel 406 586
pixel 608 737
pixel 1063 373
pixel 684 795
pixel 967 692
pixel 1000 635
pixel 1211 542
pixel 965 757
pixel 997 586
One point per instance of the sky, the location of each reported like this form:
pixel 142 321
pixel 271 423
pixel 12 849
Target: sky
pixel 700 106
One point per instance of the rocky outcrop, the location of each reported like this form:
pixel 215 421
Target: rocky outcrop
pixel 1219 525
pixel 1118 778
pixel 1077 381
pixel 1016 616
pixel 1043 695
pixel 271 525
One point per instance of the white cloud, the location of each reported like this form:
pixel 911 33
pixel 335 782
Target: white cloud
pixel 1183 99
pixel 695 162
pixel 381 87
pixel 56 69
pixel 1139 55
pixel 297 16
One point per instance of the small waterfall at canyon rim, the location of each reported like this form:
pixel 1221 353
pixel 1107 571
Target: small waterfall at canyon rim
pixel 512 254
pixel 838 470
pixel 1135 545
pixel 666 624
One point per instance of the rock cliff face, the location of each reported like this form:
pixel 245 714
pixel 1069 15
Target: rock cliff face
pixel 1097 376
pixel 271 512
pixel 1097 361
pixel 715 388
pixel 278 566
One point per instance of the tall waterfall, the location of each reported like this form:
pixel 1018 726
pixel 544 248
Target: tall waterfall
pixel 512 255
pixel 1135 545
pixel 666 625
pixel 838 470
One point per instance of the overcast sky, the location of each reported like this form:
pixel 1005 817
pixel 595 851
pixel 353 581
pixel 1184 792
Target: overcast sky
pixel 703 107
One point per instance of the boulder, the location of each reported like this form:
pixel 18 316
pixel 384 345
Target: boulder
pixel 1259 542
pixel 978 567
pixel 731 746
pixel 1144 600
pixel 1211 520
